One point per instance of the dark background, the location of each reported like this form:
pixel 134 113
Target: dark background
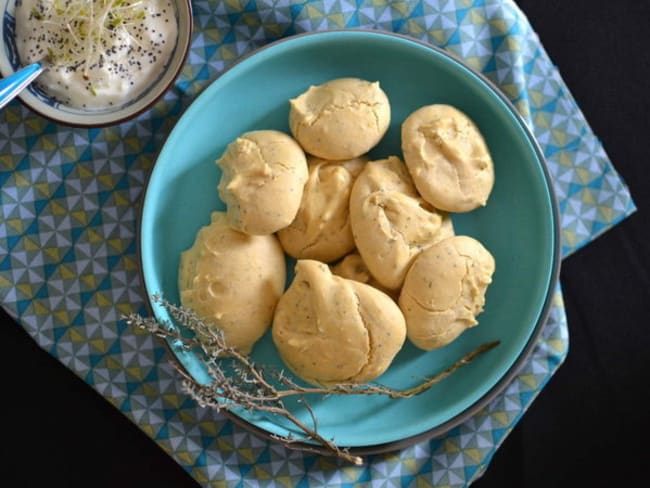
pixel 588 427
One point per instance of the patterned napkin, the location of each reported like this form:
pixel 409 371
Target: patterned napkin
pixel 69 201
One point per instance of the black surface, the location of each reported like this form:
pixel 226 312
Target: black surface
pixel 588 427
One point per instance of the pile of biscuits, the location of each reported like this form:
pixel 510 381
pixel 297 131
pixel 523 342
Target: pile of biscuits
pixel 377 256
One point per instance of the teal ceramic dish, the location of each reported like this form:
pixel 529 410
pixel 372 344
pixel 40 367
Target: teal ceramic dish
pixel 519 225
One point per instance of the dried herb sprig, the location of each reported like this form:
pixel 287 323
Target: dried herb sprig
pixel 238 382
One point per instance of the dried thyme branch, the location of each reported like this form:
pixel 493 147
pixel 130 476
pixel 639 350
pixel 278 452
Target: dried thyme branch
pixel 239 382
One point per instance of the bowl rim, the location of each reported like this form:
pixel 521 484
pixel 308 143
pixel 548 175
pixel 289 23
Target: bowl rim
pixel 187 41
pixel 544 314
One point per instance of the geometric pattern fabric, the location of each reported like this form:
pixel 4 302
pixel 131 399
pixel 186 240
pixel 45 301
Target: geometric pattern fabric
pixel 69 201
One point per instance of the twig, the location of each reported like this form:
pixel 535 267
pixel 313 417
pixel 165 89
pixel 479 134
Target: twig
pixel 239 382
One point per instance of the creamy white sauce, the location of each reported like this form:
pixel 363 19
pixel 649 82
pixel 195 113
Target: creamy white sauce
pixel 102 53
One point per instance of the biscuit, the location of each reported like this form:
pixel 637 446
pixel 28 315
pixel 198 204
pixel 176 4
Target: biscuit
pixel 448 159
pixel 352 267
pixel 340 119
pixel 321 229
pixel 262 179
pixel 444 291
pixel 329 330
pixel 390 223
pixel 232 281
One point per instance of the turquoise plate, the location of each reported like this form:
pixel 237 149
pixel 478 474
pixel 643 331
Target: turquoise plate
pixel 519 225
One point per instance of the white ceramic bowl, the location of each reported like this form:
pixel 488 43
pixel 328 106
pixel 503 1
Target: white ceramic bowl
pixel 40 103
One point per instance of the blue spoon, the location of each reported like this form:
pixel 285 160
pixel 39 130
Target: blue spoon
pixel 12 85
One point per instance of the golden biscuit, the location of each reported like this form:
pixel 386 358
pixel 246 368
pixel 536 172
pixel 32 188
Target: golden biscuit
pixel 447 157
pixel 391 224
pixel 340 119
pixel 329 330
pixel 321 229
pixel 232 281
pixel 444 291
pixel 263 175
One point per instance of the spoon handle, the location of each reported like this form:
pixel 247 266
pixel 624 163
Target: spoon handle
pixel 12 85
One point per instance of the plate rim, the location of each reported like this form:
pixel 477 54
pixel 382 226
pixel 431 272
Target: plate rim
pixel 527 350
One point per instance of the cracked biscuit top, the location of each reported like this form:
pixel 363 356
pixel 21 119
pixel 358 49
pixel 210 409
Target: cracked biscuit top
pixel 340 119
pixel 447 157
pixel 444 291
pixel 321 229
pixel 262 179
pixel 390 223
pixel 330 330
